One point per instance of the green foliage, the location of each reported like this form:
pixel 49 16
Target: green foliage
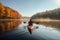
pixel 52 14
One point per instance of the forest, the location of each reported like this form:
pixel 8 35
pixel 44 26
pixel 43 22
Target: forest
pixel 51 14
pixel 8 13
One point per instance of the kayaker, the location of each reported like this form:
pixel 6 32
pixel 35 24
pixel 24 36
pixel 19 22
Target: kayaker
pixel 30 26
pixel 30 23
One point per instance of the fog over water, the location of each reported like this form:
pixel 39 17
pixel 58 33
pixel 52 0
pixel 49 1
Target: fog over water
pixel 43 32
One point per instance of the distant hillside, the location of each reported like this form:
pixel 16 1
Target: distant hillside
pixel 25 18
pixel 51 14
pixel 8 13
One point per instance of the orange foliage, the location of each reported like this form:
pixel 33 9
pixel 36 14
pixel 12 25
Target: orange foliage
pixel 6 12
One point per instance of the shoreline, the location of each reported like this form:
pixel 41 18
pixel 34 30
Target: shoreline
pixel 45 20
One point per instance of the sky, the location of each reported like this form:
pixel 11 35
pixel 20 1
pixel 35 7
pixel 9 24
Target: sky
pixel 31 7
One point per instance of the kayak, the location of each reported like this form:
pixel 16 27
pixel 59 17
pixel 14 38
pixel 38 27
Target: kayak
pixel 30 29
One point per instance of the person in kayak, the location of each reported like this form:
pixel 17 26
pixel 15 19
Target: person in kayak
pixel 30 23
pixel 30 26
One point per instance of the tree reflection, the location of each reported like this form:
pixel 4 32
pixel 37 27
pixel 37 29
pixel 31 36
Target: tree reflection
pixel 52 24
pixel 8 25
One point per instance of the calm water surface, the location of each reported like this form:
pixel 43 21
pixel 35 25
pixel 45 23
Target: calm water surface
pixel 40 33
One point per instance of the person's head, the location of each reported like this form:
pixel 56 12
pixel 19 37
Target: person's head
pixel 30 19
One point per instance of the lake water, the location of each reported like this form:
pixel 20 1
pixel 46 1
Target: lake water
pixel 43 32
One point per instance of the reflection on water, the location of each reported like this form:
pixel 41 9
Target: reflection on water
pixel 51 24
pixel 8 25
pixel 40 32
